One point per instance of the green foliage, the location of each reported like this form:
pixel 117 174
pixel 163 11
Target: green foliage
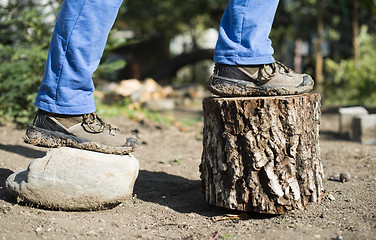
pixel 226 236
pixel 108 68
pixel 24 38
pixel 175 161
pixel 25 23
pixel 369 5
pixel 346 85
pixel 20 73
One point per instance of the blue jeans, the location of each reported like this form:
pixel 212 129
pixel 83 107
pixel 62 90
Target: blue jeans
pixel 76 48
pixel 81 33
pixel 244 33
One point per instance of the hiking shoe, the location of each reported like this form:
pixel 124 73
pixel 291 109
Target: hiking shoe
pixel 258 80
pixel 87 131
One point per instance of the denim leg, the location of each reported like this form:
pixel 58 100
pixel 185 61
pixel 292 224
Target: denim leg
pixel 76 48
pixel 244 33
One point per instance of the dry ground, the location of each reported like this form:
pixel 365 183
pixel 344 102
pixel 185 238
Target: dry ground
pixel 168 203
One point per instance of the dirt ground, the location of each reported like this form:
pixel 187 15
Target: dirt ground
pixel 168 202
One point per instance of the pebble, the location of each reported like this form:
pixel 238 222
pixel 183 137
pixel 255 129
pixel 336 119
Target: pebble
pixel 331 197
pixel 91 233
pixel 38 229
pixel 344 177
pixel 339 237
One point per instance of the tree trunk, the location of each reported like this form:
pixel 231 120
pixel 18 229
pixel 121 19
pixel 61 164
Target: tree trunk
pixel 355 25
pixel 319 55
pixel 298 55
pixel 262 154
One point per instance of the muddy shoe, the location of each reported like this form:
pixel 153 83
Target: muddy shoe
pixel 86 131
pixel 259 80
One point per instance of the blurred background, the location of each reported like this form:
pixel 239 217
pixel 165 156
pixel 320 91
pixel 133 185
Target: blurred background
pixel 163 49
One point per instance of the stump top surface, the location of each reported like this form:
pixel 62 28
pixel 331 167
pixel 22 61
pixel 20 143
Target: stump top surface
pixel 216 98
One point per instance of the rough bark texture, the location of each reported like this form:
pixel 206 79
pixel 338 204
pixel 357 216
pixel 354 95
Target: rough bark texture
pixel 262 154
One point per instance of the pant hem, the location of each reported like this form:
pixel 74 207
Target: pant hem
pixel 53 108
pixel 244 60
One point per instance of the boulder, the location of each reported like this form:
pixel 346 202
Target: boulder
pixel 346 115
pixel 74 179
pixel 364 129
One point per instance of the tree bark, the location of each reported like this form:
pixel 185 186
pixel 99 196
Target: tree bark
pixel 262 154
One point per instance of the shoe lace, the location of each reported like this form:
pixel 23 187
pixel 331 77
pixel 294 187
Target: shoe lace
pixel 93 118
pixel 264 74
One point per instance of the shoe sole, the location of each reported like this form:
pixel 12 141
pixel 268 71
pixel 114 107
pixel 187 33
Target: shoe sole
pixel 228 87
pixel 51 139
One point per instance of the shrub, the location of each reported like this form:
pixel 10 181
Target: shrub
pixel 24 40
pixel 20 73
pixel 346 85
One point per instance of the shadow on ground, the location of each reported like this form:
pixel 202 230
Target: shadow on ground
pixel 178 193
pixel 4 195
pixel 331 135
pixel 23 151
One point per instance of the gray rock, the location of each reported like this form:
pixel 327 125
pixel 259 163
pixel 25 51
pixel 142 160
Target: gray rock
pixel 346 115
pixel 364 129
pixel 160 104
pixel 74 179
pixel 330 197
pixel 344 177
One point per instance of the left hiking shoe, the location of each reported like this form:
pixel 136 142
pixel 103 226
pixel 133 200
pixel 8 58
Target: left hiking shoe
pixel 88 132
pixel 258 80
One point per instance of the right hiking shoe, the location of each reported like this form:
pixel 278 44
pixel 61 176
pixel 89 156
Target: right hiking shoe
pixel 258 80
pixel 88 132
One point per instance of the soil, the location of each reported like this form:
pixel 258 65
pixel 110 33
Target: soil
pixel 168 202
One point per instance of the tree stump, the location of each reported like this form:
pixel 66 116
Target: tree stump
pixel 262 154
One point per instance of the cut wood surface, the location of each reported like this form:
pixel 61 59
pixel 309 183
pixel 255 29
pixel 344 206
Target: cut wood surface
pixel 262 154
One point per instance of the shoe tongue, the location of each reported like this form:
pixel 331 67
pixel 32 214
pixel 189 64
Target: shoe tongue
pixel 249 70
pixel 69 121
